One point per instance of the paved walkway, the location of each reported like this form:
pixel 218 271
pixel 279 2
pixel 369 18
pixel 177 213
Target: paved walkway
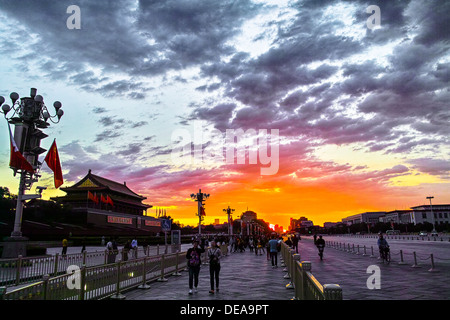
pixel 245 276
pixel 398 282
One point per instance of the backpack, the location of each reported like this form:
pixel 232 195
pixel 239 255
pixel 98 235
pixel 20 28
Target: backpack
pixel 213 258
pixel 195 259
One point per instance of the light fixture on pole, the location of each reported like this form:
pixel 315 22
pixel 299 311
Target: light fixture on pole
pixel 200 197
pixel 29 115
pixel 432 215
pixel 230 227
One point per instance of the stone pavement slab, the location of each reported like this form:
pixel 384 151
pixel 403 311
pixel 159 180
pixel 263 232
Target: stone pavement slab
pixel 398 282
pixel 243 276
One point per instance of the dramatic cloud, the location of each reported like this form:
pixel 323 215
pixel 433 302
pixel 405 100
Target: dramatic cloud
pixel 137 71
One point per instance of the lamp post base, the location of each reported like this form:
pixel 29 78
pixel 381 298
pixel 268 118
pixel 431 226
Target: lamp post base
pixel 14 246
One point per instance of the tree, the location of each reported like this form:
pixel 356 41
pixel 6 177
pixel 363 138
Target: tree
pixel 7 205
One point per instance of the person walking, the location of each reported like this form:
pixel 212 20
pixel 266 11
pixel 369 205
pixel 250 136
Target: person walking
pixel 193 256
pixel 295 243
pixel 110 251
pixel 134 247
pixel 273 247
pixel 64 246
pixel 125 250
pixel 214 255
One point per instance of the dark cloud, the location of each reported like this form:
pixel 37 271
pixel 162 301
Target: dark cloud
pixel 437 167
pixel 307 83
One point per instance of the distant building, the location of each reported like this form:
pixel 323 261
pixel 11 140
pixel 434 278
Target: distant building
pixel 366 217
pixel 125 210
pixel 296 223
pixel 397 216
pixel 306 224
pixel 248 216
pixel 330 224
pixel 421 214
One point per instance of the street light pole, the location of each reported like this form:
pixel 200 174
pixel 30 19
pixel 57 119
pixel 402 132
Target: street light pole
pixel 230 227
pixel 29 115
pixel 200 197
pixel 432 215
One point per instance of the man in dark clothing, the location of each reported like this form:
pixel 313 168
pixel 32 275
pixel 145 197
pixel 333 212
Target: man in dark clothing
pixel 320 243
pixel 193 255
pixel 295 243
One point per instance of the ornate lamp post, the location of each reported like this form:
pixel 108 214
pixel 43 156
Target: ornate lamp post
pixel 200 197
pixel 230 227
pixel 29 115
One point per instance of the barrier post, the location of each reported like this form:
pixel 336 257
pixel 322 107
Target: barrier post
pixel 372 255
pixel 118 295
pixel 177 273
pixel 365 253
pixel 432 265
pixel 144 284
pixel 332 292
pixel 305 266
pixel 295 274
pixel 55 270
pixel 290 274
pixel 162 279
pixel 415 265
pixel 401 258
pixel 83 282
pixel 19 266
pixel 45 278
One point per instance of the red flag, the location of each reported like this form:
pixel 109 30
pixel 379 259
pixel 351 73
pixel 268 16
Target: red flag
pixel 103 199
pixel 202 210
pixel 109 200
pixel 52 160
pixel 17 160
pixel 93 197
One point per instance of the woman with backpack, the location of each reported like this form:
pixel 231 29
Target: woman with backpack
pixel 214 255
pixel 193 261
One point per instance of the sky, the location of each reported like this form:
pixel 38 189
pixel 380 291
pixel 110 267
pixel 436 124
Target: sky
pixel 350 117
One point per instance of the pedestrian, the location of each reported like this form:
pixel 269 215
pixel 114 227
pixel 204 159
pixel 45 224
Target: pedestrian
pixel 250 244
pixel 193 256
pixel 134 247
pixel 145 246
pixel 273 247
pixel 64 246
pixel 295 243
pixel 125 250
pixel 289 242
pixel 110 251
pixel 214 255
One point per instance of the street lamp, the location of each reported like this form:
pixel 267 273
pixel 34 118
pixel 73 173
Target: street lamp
pixel 432 215
pixel 200 197
pixel 230 227
pixel 29 114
